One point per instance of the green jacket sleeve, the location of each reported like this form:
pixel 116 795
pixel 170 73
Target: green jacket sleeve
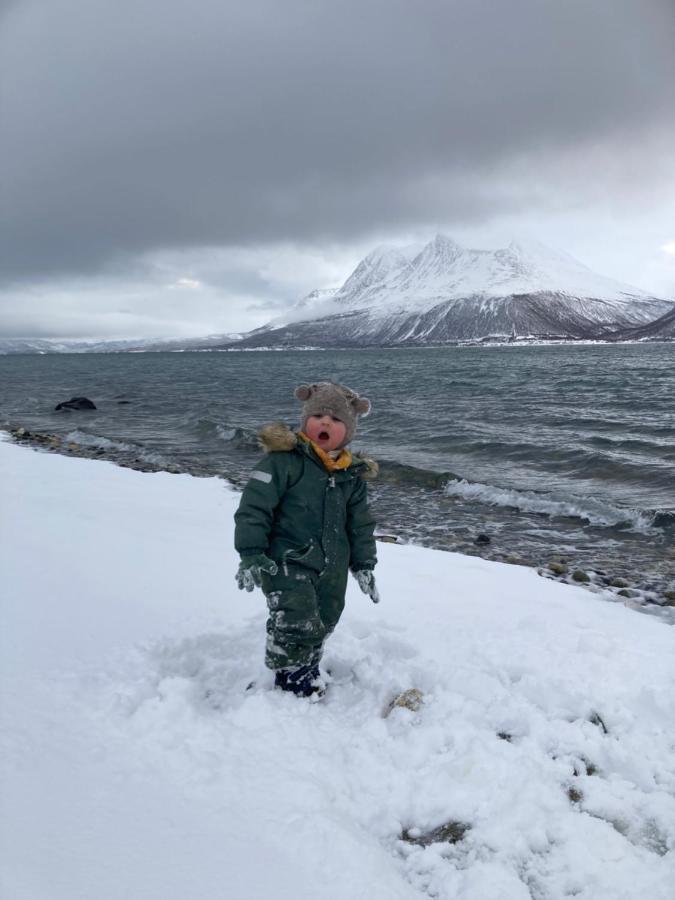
pixel 261 496
pixel 361 529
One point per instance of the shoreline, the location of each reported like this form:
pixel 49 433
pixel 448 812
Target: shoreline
pixel 460 345
pixel 652 598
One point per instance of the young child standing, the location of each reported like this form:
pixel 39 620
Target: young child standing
pixel 303 522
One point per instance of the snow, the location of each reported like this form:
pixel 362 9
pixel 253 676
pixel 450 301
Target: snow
pixel 390 280
pixel 135 764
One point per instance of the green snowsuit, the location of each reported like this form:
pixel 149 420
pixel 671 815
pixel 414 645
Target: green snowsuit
pixel 315 525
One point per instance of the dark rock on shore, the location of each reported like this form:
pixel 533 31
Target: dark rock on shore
pixel 516 560
pixel 76 403
pixel 618 582
pixel 580 575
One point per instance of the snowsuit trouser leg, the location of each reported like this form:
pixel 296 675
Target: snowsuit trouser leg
pixel 303 610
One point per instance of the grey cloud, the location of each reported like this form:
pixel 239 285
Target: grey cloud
pixel 161 123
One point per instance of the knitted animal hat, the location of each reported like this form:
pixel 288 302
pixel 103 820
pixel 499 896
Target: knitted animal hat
pixel 328 398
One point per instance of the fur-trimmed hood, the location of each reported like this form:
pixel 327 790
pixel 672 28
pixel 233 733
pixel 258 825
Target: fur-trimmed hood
pixel 278 438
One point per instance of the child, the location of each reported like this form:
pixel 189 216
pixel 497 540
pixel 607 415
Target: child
pixel 302 522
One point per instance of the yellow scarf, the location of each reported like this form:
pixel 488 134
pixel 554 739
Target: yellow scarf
pixel 343 461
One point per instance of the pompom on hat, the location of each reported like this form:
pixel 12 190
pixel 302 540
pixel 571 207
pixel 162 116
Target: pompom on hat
pixel 329 398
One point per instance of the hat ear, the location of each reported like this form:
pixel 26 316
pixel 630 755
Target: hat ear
pixel 362 406
pixel 303 392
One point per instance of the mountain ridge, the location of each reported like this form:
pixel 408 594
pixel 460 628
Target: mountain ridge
pixel 444 293
pixel 439 293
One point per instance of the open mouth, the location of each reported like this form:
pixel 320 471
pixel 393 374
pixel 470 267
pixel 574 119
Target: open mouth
pixel 324 436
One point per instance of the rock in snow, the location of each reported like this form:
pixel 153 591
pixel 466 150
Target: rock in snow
pixel 136 764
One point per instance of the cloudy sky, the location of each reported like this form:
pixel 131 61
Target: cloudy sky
pixel 183 168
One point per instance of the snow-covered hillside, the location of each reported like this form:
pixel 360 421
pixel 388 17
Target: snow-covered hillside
pixel 660 329
pixel 26 345
pixel 136 764
pixel 443 270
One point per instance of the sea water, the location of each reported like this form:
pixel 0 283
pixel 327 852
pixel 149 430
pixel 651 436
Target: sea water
pixel 564 450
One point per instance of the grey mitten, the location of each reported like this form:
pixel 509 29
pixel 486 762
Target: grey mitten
pixel 366 581
pixel 249 573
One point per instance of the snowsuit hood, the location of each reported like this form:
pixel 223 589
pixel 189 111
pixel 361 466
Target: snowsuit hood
pixel 278 437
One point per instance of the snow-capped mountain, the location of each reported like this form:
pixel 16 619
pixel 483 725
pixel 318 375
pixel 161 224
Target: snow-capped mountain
pixel 444 292
pixel 443 270
pixel 46 345
pixel 436 294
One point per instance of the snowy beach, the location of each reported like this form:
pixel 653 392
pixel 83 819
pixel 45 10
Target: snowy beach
pixel 137 765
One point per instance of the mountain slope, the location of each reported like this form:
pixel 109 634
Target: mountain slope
pixel 445 292
pixel 662 328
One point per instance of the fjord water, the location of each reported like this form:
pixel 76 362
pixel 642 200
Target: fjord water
pixel 563 449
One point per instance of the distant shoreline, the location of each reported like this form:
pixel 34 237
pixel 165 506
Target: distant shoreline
pixel 460 345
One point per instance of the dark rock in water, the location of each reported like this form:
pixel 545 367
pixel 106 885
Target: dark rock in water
pixel 76 403
pixel 557 568
pixel 626 592
pixel 670 598
pixel 123 402
pixel 482 539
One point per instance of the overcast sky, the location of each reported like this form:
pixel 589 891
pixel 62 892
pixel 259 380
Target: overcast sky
pixel 183 168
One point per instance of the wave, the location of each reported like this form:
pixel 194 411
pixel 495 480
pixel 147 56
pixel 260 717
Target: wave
pixel 594 512
pixel 662 449
pixel 98 442
pixel 633 462
pixel 392 472
pixel 243 437
pixel 664 518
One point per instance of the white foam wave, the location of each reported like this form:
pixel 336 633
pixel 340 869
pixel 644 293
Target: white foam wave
pixel 104 443
pixel 95 440
pixel 595 512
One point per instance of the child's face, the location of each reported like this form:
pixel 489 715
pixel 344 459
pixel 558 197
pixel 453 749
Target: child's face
pixel 326 431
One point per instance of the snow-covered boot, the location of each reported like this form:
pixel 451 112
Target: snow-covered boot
pixel 304 681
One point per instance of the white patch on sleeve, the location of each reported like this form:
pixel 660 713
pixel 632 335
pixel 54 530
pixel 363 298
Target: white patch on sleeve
pixel 265 477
